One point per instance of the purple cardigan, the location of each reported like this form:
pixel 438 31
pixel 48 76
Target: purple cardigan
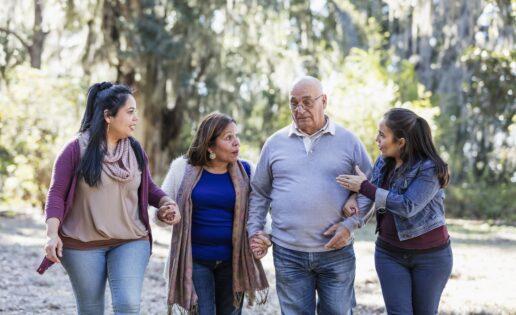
pixel 62 190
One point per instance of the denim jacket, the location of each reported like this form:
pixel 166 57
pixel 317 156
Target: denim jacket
pixel 415 198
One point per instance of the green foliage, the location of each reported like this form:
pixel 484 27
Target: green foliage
pixel 489 115
pixel 362 95
pixel 481 200
pixel 365 90
pixel 479 137
pixel 187 58
pixel 38 113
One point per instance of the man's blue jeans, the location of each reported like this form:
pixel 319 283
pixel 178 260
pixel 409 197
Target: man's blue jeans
pixel 213 283
pixel 413 284
pixel 123 265
pixel 299 275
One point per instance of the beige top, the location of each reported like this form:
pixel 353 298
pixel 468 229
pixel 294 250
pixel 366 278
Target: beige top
pixel 108 211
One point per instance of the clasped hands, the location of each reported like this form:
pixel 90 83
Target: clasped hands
pixel 260 243
pixel 168 212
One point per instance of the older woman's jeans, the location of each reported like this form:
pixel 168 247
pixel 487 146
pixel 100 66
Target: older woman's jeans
pixel 299 275
pixel 213 283
pixel 413 283
pixel 123 265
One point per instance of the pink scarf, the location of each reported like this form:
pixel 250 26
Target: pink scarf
pixel 121 166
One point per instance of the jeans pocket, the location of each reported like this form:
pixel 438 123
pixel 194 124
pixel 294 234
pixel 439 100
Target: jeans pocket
pixel 346 252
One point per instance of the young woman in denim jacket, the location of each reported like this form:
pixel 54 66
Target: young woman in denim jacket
pixel 413 257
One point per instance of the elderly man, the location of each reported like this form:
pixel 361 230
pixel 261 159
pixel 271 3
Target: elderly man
pixel 296 178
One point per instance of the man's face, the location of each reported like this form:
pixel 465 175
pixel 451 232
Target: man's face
pixel 307 104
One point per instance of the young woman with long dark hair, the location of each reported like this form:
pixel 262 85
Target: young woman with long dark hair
pixel 413 256
pixel 96 210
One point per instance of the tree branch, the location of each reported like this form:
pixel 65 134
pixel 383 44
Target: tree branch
pixel 8 31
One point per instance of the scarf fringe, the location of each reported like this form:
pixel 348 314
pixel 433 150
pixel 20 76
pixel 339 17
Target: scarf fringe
pixel 237 299
pixel 258 297
pixel 175 309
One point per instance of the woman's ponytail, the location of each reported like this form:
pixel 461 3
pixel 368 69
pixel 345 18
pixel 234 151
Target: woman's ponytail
pixel 93 92
pixel 90 105
pixel 428 148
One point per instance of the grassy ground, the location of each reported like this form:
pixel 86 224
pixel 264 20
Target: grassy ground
pixel 483 280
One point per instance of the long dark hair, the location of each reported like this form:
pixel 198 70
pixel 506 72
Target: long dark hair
pixel 102 96
pixel 210 128
pixel 406 124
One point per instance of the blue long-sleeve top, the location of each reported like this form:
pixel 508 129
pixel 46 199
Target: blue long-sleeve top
pixel 213 201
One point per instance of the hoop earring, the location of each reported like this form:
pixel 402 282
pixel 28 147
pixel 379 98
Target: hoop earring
pixel 212 156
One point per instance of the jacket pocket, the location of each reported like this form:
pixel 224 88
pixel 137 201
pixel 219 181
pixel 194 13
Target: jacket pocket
pixel 403 183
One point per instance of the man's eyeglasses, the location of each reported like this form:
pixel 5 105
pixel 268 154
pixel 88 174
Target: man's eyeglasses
pixel 306 103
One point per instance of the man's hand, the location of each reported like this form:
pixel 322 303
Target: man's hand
pixel 169 213
pixel 340 237
pixel 260 243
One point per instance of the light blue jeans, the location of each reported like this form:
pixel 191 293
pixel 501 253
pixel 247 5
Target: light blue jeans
pixel 123 265
pixel 299 275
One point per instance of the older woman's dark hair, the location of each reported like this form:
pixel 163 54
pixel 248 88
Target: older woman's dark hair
pixel 418 146
pixel 210 128
pixel 102 96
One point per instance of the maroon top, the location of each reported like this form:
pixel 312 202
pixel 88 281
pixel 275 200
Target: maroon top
pixel 62 188
pixel 388 233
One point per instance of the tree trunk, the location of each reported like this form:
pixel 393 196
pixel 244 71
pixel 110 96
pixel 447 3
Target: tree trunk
pixel 35 44
pixel 38 36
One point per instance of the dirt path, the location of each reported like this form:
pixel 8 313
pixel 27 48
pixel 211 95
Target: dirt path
pixel 483 279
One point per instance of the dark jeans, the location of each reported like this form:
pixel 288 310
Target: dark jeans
pixel 213 283
pixel 299 275
pixel 413 283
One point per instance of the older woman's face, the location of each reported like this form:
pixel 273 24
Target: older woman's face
pixel 227 145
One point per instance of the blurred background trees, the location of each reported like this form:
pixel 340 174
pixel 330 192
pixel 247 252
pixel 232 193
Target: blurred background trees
pixel 450 61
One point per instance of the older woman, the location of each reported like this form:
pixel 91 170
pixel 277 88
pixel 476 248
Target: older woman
pixel 96 211
pixel 211 266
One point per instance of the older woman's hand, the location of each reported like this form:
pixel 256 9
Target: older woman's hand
pixel 260 243
pixel 169 213
pixel 352 182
